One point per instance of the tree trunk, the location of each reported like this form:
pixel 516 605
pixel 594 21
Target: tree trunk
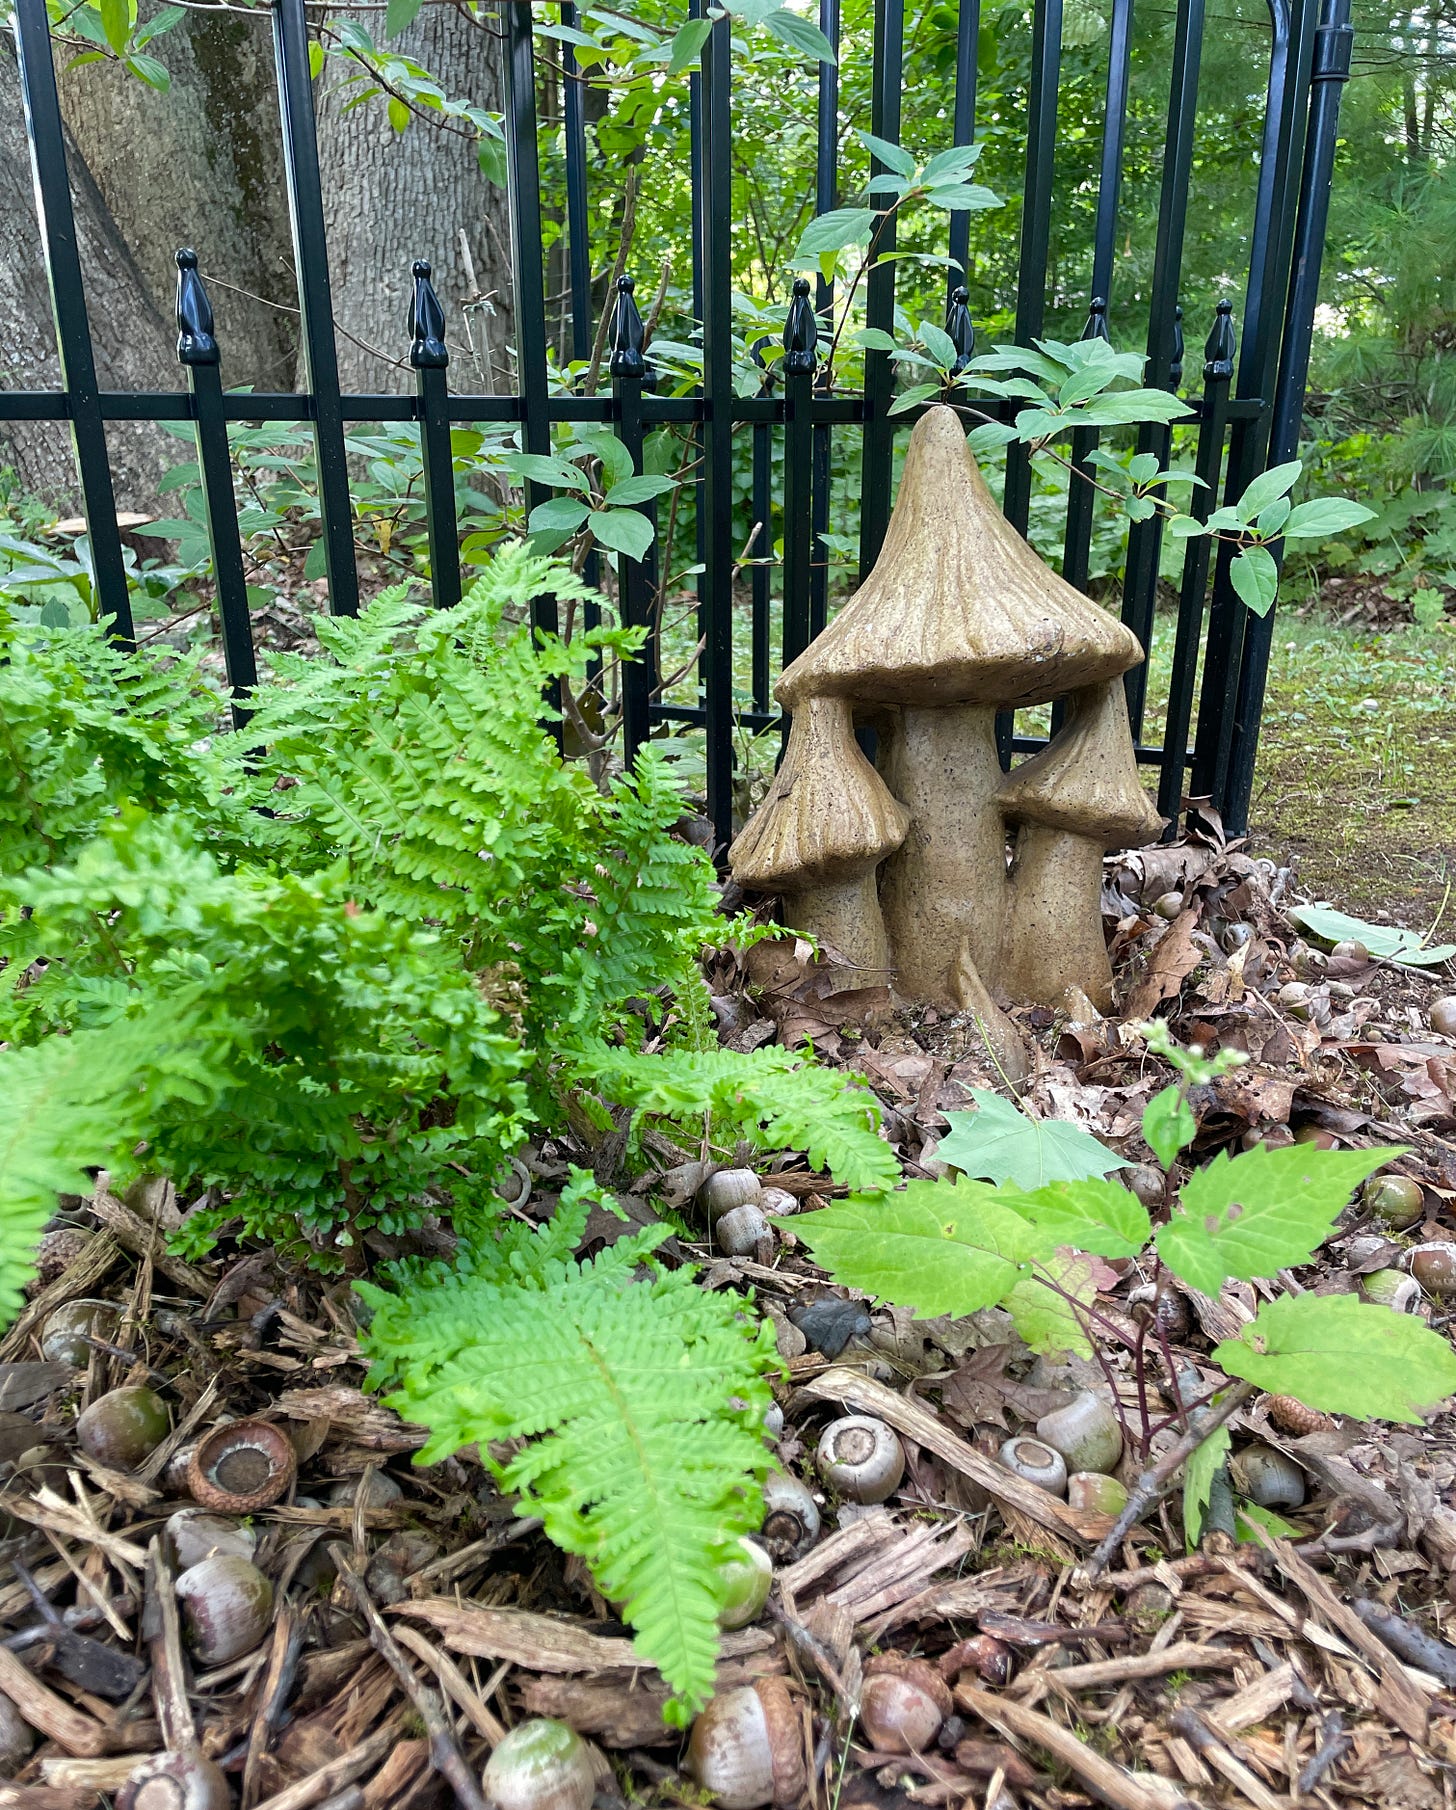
pixel 391 197
pixel 130 336
pixel 202 166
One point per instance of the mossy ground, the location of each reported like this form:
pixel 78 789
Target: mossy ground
pixel 1357 766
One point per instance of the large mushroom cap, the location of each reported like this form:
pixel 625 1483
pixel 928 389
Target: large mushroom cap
pixel 1085 781
pixel 959 609
pixel 828 815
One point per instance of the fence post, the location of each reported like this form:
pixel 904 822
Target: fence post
pixel 1331 70
pixel 431 358
pixel 801 336
pixel 1218 371
pixel 198 354
pixel 628 369
pixel 57 220
pixel 315 301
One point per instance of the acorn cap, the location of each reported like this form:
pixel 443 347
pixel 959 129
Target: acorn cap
pixel 828 815
pixel 1085 781
pixel 241 1466
pixel 959 609
pixel 786 1740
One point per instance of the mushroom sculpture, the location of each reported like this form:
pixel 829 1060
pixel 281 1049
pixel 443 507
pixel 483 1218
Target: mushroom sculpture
pixel 1077 798
pixel 960 618
pixel 819 836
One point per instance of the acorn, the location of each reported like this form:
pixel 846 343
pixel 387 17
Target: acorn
pixel 773 1421
pixel 1168 905
pixel 1305 960
pixel 176 1781
pixel 1434 1267
pixel 1395 1200
pixel 983 1654
pixel 63 1339
pixel 746 1748
pixel 1442 1016
pixel 1096 1493
pixel 744 1232
pixel 861 1458
pixel 1035 1463
pixel 540 1765
pixel 1296 999
pixel 197 1535
pixel 1389 1288
pixel 1291 1416
pixel 1272 1137
pixel 381 1491
pixel 241 1467
pixel 227 1605
pixel 122 1428
pixel 1086 1433
pixel 790 1515
pixel 1146 1182
pixel 1316 1135
pixel 749 1580
pixel 1268 1477
pixel 777 1200
pixel 902 1703
pixel 1350 950
pixel 1235 936
pixel 729 1188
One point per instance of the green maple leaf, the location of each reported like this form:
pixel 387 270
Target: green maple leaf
pixel 1260 1212
pixel 936 1247
pixel 1001 1144
pixel 1344 1356
pixel 1091 1214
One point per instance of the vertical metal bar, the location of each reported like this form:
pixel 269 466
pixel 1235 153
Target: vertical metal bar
pixel 762 554
pixel 431 358
pixel 57 221
pixel 1218 371
pixel 877 455
pixel 1331 70
pixel 826 196
pixel 716 593
pixel 1081 497
pixel 197 352
pixel 578 234
pixel 801 333
pixel 634 577
pixel 523 170
pixel 1290 61
pixel 315 301
pixel 963 128
pixel 1145 539
pixel 1036 223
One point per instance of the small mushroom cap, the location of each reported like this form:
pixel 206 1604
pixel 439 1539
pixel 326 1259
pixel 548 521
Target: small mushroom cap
pixel 828 815
pixel 1085 781
pixel 959 609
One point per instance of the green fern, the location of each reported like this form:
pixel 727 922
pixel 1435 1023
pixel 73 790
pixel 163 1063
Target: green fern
pixel 772 1097
pixel 74 1101
pixel 642 1403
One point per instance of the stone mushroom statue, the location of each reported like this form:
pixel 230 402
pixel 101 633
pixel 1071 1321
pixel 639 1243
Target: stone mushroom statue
pixel 960 618
pixel 818 837
pixel 1077 798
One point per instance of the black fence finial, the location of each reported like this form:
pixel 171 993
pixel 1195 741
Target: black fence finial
pixel 195 342
pixel 627 335
pixel 801 332
pixel 1175 363
pixel 961 328
pixel 428 350
pixel 1096 327
pixel 1220 346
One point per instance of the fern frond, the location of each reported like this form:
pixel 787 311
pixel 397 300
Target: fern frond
pixel 642 1403
pixel 773 1097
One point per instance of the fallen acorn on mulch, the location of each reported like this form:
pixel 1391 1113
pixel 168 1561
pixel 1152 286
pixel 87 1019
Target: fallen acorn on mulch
pixel 225 1584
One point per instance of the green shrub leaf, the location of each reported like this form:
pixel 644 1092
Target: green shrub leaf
pixel 1168 1123
pixel 1000 1144
pixel 1202 1467
pixel 1093 1215
pixel 1052 1323
pixel 1344 1356
pixel 1261 1211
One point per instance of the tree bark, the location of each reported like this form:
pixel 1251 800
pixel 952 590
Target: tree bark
pixel 130 337
pixel 201 166
pixel 391 197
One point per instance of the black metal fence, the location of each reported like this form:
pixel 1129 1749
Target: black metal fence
pixel 1247 411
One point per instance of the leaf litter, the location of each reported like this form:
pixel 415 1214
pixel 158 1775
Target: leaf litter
pixel 417 1616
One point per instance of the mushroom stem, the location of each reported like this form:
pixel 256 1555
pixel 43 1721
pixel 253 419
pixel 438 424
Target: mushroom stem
pixel 1054 925
pixel 946 885
pixel 845 915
